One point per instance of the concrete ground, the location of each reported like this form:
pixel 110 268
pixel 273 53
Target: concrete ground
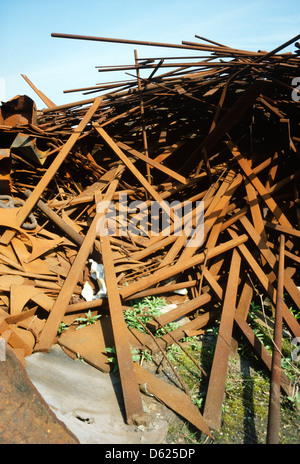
pixel 89 402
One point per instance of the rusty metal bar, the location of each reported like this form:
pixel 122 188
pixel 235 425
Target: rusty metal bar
pixel 42 96
pixel 142 111
pixel 261 351
pixel 134 170
pixel 255 209
pixel 274 402
pixel 57 220
pixel 124 41
pixel 60 306
pixel 152 163
pixel 268 287
pixel 215 392
pixel 244 164
pixel 24 211
pixel 174 398
pixel 181 310
pixel 131 395
pixel 271 259
pixel 162 274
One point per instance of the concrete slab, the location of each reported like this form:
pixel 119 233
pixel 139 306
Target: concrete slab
pixel 90 402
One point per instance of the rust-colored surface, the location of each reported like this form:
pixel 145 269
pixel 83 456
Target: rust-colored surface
pixel 222 130
pixel 19 110
pixel 274 404
pixel 25 418
pixel 216 388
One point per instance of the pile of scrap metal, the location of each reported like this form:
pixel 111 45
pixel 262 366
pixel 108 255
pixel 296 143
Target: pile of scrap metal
pixel 218 132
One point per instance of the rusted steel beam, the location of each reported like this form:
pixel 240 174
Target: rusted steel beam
pixel 110 142
pixel 216 229
pixel 131 395
pixel 244 164
pixel 274 402
pixel 152 163
pixel 25 210
pixel 242 310
pixel 174 398
pixel 215 392
pixel 50 329
pixel 261 351
pixel 282 229
pixel 102 303
pixel 57 220
pixel 181 310
pixel 240 321
pixel 268 287
pixel 255 209
pixel 162 274
pixel 142 113
pixel 124 41
pixel 42 96
pixel 66 106
pixel 271 259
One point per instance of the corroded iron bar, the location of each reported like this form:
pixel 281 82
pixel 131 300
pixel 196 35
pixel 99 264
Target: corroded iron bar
pixel 274 403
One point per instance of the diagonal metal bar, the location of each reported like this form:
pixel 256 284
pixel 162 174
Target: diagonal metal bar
pixel 51 326
pixel 131 395
pixel 274 402
pixel 25 210
pixel 215 393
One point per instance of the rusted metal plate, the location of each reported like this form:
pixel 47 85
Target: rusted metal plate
pixel 25 418
pixel 19 110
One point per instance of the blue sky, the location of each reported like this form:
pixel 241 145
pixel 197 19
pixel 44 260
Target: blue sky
pixel 55 64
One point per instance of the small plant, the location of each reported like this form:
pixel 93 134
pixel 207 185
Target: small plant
pixel 213 330
pixel 145 355
pixel 193 342
pixel 198 401
pixel 295 401
pixel 173 351
pixel 149 306
pixel 62 327
pixel 170 327
pixel 113 359
pixel 295 313
pixel 135 355
pixel 80 358
pixel 88 320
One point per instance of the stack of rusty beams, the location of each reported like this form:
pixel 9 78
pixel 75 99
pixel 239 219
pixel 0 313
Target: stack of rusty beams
pixel 223 130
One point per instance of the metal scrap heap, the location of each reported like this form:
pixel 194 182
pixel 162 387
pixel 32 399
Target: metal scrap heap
pixel 218 132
